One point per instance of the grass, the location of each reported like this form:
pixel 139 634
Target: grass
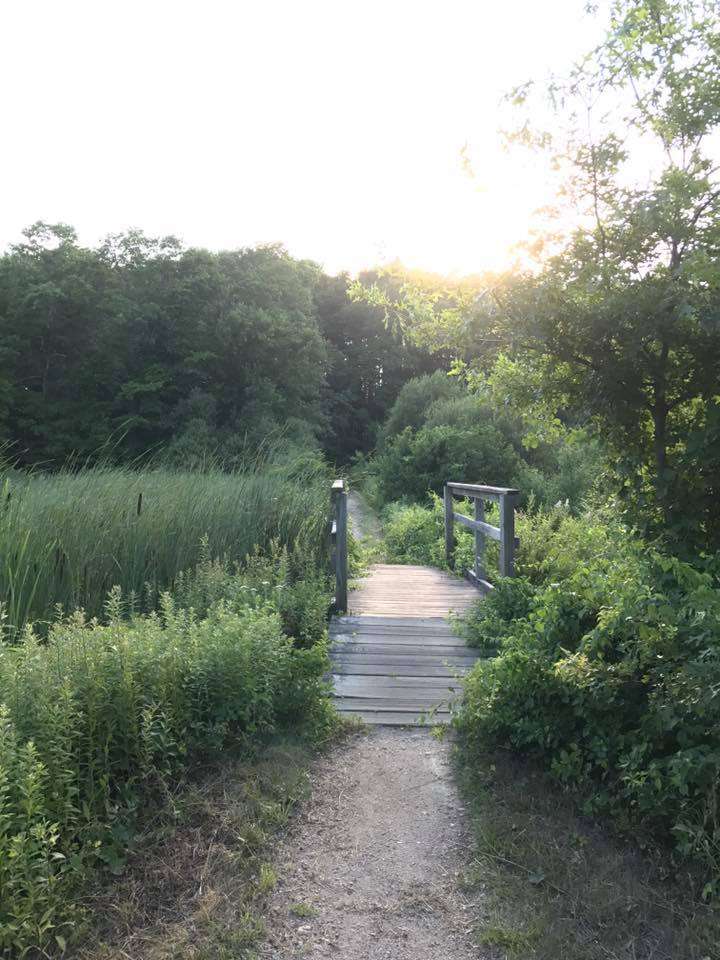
pixel 556 886
pixel 67 538
pixel 199 893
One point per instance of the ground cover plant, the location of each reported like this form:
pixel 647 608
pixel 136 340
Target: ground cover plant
pixel 555 883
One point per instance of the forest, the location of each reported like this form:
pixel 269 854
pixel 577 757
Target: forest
pixel 171 419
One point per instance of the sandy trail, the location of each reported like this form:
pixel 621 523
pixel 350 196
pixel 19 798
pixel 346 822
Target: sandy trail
pixel 370 870
pixel 363 521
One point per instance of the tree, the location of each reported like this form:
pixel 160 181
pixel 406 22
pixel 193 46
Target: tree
pixel 620 303
pixel 629 308
pixel 368 363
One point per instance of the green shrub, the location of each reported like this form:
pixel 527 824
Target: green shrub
pixel 608 668
pixel 414 463
pixel 414 400
pixel 415 534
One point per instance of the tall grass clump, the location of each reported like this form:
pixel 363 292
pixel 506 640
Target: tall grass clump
pixel 67 538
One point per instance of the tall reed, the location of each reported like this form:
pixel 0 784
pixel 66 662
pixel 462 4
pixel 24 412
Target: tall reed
pixel 67 538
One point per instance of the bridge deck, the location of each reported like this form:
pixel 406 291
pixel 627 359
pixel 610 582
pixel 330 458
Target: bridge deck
pixel 396 659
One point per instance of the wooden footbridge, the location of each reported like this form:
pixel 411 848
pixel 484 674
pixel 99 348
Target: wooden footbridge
pixel 395 656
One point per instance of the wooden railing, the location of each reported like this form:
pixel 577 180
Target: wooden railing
pixel 338 544
pixel 506 497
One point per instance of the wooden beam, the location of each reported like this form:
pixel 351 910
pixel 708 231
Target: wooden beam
pixel 507 540
pixel 478 525
pixel 449 532
pixel 478 490
pixel 339 503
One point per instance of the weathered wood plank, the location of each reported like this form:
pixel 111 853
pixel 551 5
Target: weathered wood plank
pixel 429 669
pixel 395 657
pixel 388 718
pixel 478 525
pixel 401 704
pixel 401 649
pixel 352 684
pixel 480 490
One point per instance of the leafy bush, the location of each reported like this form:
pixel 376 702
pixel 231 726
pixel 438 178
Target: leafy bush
pixel 99 722
pixel 416 462
pixel 439 430
pixel 414 400
pixel 415 534
pixel 608 668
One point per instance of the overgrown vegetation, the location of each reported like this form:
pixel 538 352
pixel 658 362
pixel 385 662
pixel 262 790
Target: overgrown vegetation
pixel 606 665
pixel 439 429
pixel 67 538
pixel 100 723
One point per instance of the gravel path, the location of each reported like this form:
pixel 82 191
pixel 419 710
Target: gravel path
pixel 364 522
pixel 370 870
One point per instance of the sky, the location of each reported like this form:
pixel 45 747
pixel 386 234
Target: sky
pixel 334 127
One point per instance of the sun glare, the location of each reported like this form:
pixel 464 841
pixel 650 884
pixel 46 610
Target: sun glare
pixel 336 129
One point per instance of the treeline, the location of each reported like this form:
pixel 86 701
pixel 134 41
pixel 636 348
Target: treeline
pixel 142 345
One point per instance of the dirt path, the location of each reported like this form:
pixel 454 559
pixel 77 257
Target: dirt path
pixel 372 869
pixel 363 521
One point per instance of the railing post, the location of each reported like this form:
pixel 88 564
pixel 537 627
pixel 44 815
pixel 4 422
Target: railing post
pixel 449 531
pixel 339 503
pixel 479 539
pixel 507 535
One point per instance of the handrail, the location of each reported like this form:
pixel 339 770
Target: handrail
pixel 338 544
pixel 506 497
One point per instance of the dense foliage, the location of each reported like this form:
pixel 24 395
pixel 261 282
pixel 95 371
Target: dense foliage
pixel 438 429
pixel 141 344
pixel 603 660
pixel 607 665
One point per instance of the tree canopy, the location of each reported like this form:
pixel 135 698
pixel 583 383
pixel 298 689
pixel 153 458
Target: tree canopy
pixel 141 344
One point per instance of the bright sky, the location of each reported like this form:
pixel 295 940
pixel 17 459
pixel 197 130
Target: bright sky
pixel 332 126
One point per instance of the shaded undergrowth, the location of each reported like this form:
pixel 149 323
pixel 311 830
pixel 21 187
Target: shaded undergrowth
pixel 557 886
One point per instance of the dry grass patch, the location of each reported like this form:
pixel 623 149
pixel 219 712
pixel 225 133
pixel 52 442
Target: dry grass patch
pixel 195 888
pixel 557 886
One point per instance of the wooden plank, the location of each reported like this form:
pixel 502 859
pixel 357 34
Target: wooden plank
pixel 370 621
pixel 478 525
pixel 408 695
pixel 425 669
pixel 480 542
pixel 388 718
pixel 399 649
pixel 377 620
pixel 433 647
pixel 372 686
pixel 393 662
pixel 507 543
pixel 395 655
pixel 449 530
pixel 399 706
pixel 398 640
pixel 480 490
pixel 339 500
